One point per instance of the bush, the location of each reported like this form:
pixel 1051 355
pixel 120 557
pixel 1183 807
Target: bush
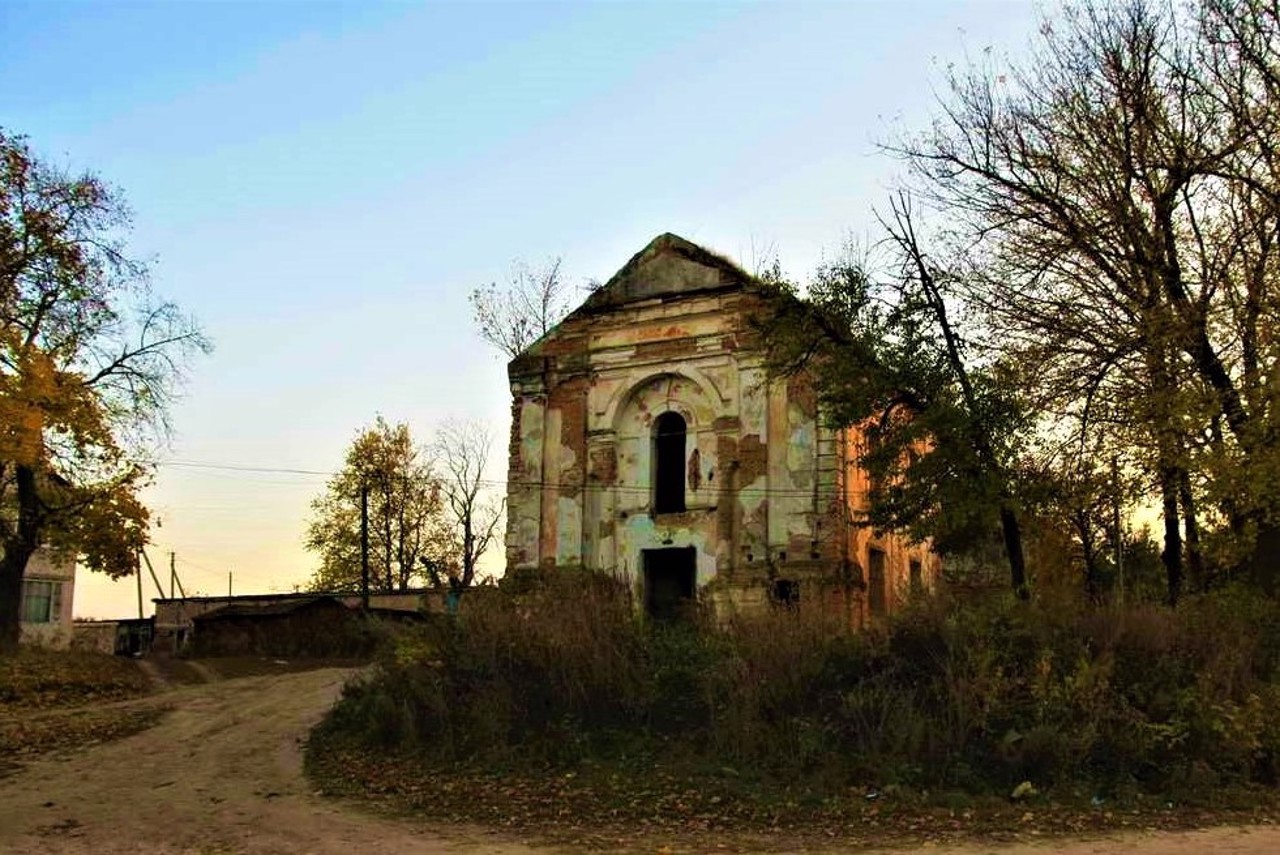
pixel 972 698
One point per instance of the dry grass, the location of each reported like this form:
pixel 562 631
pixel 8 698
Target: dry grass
pixel 47 679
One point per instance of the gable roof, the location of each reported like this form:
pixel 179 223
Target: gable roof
pixel 669 266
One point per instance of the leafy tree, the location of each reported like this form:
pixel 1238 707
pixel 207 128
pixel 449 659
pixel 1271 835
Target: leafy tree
pixel 411 538
pixel 89 359
pixel 1119 191
pixel 884 341
pixel 516 315
pixel 463 450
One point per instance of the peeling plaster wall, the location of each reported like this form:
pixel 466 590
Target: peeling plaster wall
pixel 43 566
pixel 768 490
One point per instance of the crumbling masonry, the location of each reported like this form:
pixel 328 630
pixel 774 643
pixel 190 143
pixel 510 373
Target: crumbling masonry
pixel 649 441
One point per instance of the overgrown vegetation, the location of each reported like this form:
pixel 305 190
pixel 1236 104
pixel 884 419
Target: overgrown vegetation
pixel 786 708
pixel 1066 317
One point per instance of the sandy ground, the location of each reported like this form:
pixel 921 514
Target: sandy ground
pixel 222 773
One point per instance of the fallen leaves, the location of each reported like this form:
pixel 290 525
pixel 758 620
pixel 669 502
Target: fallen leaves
pixel 647 809
pixel 57 700
pixel 51 679
pixel 32 734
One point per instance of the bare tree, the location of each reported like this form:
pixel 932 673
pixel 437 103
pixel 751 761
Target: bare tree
pixel 1120 190
pixel 513 316
pixel 462 449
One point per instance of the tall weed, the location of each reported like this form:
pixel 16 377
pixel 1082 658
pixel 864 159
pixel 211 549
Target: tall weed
pixel 972 696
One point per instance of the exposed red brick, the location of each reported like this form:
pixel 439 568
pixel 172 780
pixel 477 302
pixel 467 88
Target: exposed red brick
pixel 666 348
pixel 604 465
pixel 570 398
pixel 695 471
pixel 753 459
pixel 726 423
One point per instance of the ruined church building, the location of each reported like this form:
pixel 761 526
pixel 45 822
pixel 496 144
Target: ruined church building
pixel 649 441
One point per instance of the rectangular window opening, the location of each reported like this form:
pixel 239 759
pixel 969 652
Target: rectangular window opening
pixel 41 601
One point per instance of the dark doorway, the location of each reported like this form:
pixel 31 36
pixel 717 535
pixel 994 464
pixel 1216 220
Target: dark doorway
pixel 669 433
pixel 785 593
pixel 669 581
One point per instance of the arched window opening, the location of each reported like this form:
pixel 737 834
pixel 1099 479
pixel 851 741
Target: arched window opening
pixel 669 434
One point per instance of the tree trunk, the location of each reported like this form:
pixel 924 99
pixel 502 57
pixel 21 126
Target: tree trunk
pixel 1013 548
pixel 1084 529
pixel 1171 555
pixel 468 549
pixel 1195 557
pixel 18 550
pixel 12 566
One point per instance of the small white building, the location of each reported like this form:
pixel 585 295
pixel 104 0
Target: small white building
pixel 48 589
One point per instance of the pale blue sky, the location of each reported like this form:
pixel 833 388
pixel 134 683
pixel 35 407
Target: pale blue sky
pixel 322 183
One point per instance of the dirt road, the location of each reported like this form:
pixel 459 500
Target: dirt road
pixel 222 774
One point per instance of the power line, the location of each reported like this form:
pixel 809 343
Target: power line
pixel 239 467
pixel 199 567
pixel 796 492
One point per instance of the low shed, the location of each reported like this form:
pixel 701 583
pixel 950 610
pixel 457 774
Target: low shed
pixel 307 626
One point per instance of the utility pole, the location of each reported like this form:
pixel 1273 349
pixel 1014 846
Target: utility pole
pixel 364 544
pixel 173 573
pixel 140 590
pixel 228 583
pixel 154 578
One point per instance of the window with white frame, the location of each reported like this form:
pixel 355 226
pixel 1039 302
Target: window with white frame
pixel 41 601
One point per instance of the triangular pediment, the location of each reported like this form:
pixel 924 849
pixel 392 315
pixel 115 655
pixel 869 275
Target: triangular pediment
pixel 669 266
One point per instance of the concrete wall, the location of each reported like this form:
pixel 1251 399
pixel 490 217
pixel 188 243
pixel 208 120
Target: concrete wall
pixel 98 636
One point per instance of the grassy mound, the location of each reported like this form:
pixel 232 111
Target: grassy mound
pixel 43 679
